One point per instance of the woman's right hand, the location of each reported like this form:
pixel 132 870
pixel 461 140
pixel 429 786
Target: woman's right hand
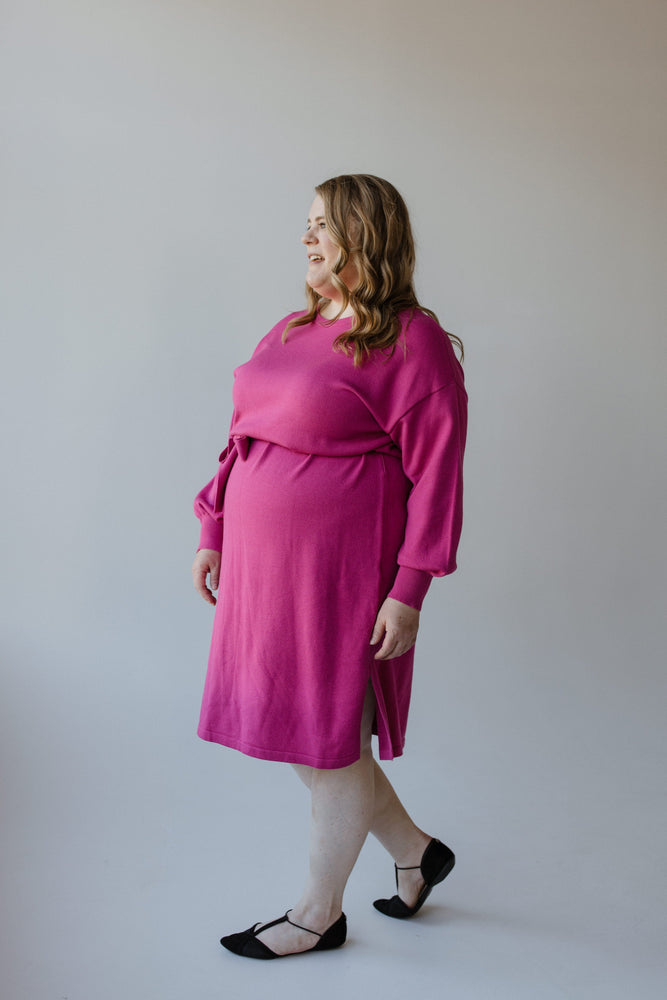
pixel 207 563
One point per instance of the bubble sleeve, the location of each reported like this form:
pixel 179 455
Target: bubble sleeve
pixel 431 436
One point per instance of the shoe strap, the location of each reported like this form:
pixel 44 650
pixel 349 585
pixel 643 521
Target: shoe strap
pixel 307 929
pixel 258 928
pixel 406 868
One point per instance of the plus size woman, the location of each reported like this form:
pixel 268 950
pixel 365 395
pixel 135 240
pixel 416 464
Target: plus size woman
pixel 336 501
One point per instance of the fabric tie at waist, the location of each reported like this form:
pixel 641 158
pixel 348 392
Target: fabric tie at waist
pixel 210 500
pixel 236 448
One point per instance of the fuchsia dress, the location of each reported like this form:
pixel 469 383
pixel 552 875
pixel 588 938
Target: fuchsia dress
pixel 339 486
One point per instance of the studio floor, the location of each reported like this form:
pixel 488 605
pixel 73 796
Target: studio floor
pixel 130 899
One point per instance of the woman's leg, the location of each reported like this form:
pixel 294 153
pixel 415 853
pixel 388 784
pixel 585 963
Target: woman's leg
pixel 393 827
pixel 390 822
pixel 399 835
pixel 342 810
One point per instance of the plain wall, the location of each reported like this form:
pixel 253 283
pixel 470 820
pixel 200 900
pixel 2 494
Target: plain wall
pixel 158 164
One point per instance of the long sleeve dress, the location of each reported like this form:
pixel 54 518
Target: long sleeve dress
pixel 340 485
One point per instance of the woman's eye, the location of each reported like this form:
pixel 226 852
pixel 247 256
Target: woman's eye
pixel 323 225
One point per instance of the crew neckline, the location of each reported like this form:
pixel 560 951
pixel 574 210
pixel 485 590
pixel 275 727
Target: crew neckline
pixel 323 321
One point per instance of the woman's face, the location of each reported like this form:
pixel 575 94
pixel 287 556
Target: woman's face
pixel 322 253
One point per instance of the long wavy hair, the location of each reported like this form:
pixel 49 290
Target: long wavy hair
pixel 368 221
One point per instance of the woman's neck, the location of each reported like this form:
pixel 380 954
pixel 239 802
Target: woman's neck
pixel 330 310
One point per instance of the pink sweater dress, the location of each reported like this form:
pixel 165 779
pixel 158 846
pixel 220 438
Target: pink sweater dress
pixel 340 485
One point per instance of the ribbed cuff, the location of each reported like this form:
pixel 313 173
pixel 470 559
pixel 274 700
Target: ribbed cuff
pixel 211 534
pixel 410 586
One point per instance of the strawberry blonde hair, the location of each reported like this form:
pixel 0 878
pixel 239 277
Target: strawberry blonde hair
pixel 368 221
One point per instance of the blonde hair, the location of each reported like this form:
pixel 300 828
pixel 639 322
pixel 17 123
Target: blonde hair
pixel 368 220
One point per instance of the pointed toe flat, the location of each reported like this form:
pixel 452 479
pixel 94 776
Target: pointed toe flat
pixel 436 864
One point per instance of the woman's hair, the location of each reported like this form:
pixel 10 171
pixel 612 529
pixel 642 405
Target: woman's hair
pixel 368 220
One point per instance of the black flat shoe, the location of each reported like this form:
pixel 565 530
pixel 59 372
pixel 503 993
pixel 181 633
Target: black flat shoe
pixel 436 864
pixel 247 943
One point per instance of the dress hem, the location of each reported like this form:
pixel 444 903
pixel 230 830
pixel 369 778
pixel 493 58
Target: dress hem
pixel 287 757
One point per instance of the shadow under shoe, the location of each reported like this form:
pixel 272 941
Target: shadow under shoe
pixel 247 944
pixel 436 864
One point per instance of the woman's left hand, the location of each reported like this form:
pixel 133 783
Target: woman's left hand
pixel 396 624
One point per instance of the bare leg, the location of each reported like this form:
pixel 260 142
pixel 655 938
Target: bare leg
pixel 342 810
pixel 399 835
pixel 392 826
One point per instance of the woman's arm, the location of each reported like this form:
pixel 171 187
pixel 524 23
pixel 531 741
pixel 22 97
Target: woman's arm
pixel 431 436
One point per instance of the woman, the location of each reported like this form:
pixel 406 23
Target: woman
pixel 340 496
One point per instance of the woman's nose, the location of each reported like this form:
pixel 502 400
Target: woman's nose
pixel 307 236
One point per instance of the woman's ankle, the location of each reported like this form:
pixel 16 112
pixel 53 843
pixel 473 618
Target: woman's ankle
pixel 316 914
pixel 411 853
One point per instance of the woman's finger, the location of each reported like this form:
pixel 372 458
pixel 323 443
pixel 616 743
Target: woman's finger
pixel 386 650
pixel 202 589
pixel 378 629
pixel 403 642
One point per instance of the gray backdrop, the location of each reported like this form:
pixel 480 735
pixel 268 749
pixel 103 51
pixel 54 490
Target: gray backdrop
pixel 158 165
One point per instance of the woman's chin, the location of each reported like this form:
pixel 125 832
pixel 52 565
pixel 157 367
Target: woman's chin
pixel 318 282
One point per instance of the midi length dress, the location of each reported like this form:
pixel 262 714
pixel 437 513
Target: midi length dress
pixel 339 486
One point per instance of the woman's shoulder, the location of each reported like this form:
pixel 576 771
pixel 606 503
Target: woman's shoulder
pixel 274 336
pixel 424 342
pixel 418 326
pixel 282 323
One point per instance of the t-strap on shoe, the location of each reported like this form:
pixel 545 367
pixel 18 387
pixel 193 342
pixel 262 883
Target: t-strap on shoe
pixel 247 943
pixel 436 863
